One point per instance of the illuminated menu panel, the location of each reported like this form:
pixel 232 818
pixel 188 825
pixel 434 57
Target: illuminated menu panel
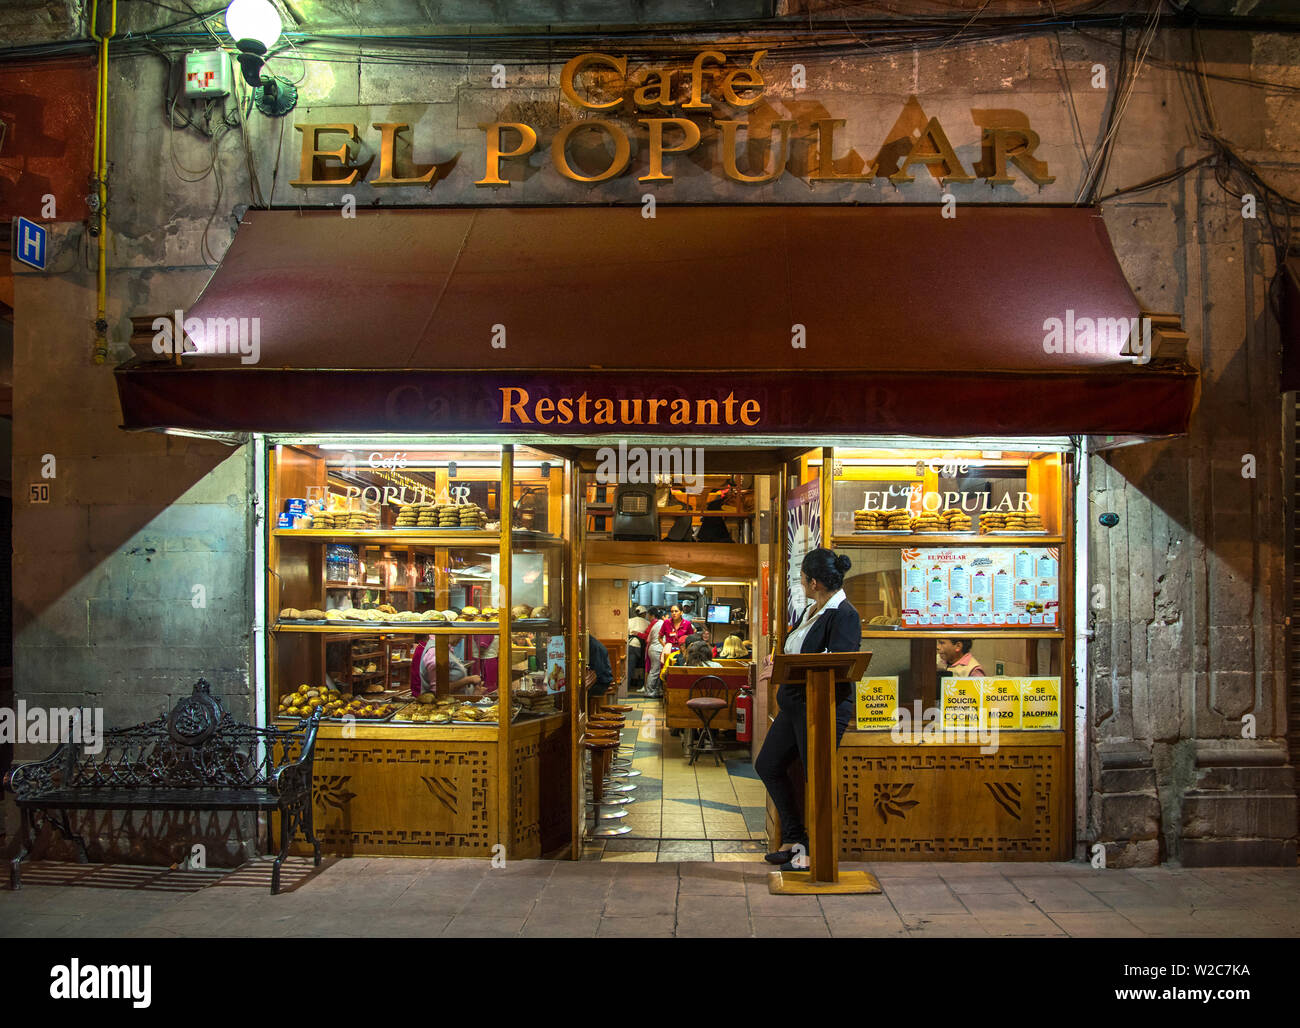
pixel 981 587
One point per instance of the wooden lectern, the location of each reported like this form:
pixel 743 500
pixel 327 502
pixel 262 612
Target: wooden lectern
pixel 818 673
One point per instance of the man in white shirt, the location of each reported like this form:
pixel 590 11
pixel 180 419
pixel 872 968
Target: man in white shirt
pixel 637 627
pixel 637 624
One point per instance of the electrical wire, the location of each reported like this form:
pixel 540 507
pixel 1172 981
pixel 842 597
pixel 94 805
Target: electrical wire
pixel 1110 114
pixel 1126 90
pixel 1064 75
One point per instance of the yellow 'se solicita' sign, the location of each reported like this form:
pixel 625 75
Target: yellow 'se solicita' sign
pixel 1040 703
pixel 1005 703
pixel 960 701
pixel 999 703
pixel 877 703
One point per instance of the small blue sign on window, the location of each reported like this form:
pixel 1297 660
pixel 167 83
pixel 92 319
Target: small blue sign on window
pixel 29 242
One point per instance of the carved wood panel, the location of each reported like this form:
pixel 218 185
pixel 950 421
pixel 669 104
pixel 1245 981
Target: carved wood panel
pixel 525 786
pixel 929 802
pixel 404 797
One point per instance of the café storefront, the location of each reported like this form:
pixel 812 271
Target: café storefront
pixel 918 391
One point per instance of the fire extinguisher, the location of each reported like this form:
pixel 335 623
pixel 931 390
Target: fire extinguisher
pixel 744 710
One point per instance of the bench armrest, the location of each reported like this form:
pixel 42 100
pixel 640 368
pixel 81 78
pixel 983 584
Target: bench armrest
pixel 293 779
pixel 33 777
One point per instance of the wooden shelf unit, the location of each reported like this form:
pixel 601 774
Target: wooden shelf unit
pixel 957 815
pixel 517 784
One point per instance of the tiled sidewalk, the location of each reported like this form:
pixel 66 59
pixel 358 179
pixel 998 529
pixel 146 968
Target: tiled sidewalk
pixel 408 897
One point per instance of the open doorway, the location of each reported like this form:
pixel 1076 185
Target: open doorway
pixel 674 595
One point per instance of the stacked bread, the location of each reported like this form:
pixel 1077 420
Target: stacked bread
pixel 358 520
pixel 471 515
pixel 929 521
pixel 1024 521
pixel 881 520
pixel 993 521
pixel 956 520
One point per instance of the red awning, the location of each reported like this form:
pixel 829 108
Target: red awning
pixel 849 320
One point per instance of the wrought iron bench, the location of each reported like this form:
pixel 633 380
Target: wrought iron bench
pixel 197 758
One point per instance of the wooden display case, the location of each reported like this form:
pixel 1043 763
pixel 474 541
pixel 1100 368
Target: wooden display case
pixel 420 789
pixel 928 798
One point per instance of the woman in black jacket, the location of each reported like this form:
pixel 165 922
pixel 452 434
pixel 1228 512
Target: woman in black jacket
pixel 829 624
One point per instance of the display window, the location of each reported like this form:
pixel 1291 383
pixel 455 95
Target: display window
pixel 419 595
pixel 962 568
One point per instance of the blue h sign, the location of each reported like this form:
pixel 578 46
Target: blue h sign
pixel 29 242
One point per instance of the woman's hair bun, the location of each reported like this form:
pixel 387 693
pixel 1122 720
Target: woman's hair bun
pixel 842 563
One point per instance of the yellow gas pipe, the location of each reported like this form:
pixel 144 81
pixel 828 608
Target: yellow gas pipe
pixel 101 181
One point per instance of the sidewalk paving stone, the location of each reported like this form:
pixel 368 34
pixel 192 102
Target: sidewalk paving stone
pixel 468 926
pixel 945 926
pixel 463 898
pixel 769 926
pixel 647 927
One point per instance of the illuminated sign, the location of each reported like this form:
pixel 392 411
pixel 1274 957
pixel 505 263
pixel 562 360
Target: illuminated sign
pixel 598 149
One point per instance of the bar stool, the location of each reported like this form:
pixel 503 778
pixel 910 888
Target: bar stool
pixel 708 696
pixel 610 726
pixel 599 751
pixel 611 730
pixel 614 713
pixel 622 762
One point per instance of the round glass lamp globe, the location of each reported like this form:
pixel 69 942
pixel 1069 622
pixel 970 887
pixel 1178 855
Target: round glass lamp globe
pixel 253 19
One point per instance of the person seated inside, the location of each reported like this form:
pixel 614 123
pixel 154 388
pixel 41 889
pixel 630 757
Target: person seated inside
pixel 733 648
pixel 698 654
pixel 460 681
pixel 600 673
pixel 956 658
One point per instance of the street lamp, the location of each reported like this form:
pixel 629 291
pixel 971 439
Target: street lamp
pixel 254 25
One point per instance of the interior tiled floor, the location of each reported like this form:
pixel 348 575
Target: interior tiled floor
pixel 683 811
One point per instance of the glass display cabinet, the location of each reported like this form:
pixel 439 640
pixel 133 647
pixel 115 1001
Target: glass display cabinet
pixel 962 570
pixel 421 597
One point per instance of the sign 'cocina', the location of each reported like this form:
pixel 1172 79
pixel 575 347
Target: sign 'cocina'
pixel 677 98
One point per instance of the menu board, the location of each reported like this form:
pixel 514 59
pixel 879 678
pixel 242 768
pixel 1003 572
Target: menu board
pixel 1007 703
pixel 803 532
pixel 981 587
pixel 877 703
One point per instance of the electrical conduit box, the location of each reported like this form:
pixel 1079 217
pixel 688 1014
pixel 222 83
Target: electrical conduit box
pixel 207 74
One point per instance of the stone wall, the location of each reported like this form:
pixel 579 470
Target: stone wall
pixel 1190 641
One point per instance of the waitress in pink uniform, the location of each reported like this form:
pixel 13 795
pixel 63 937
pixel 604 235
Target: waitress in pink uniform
pixel 675 628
